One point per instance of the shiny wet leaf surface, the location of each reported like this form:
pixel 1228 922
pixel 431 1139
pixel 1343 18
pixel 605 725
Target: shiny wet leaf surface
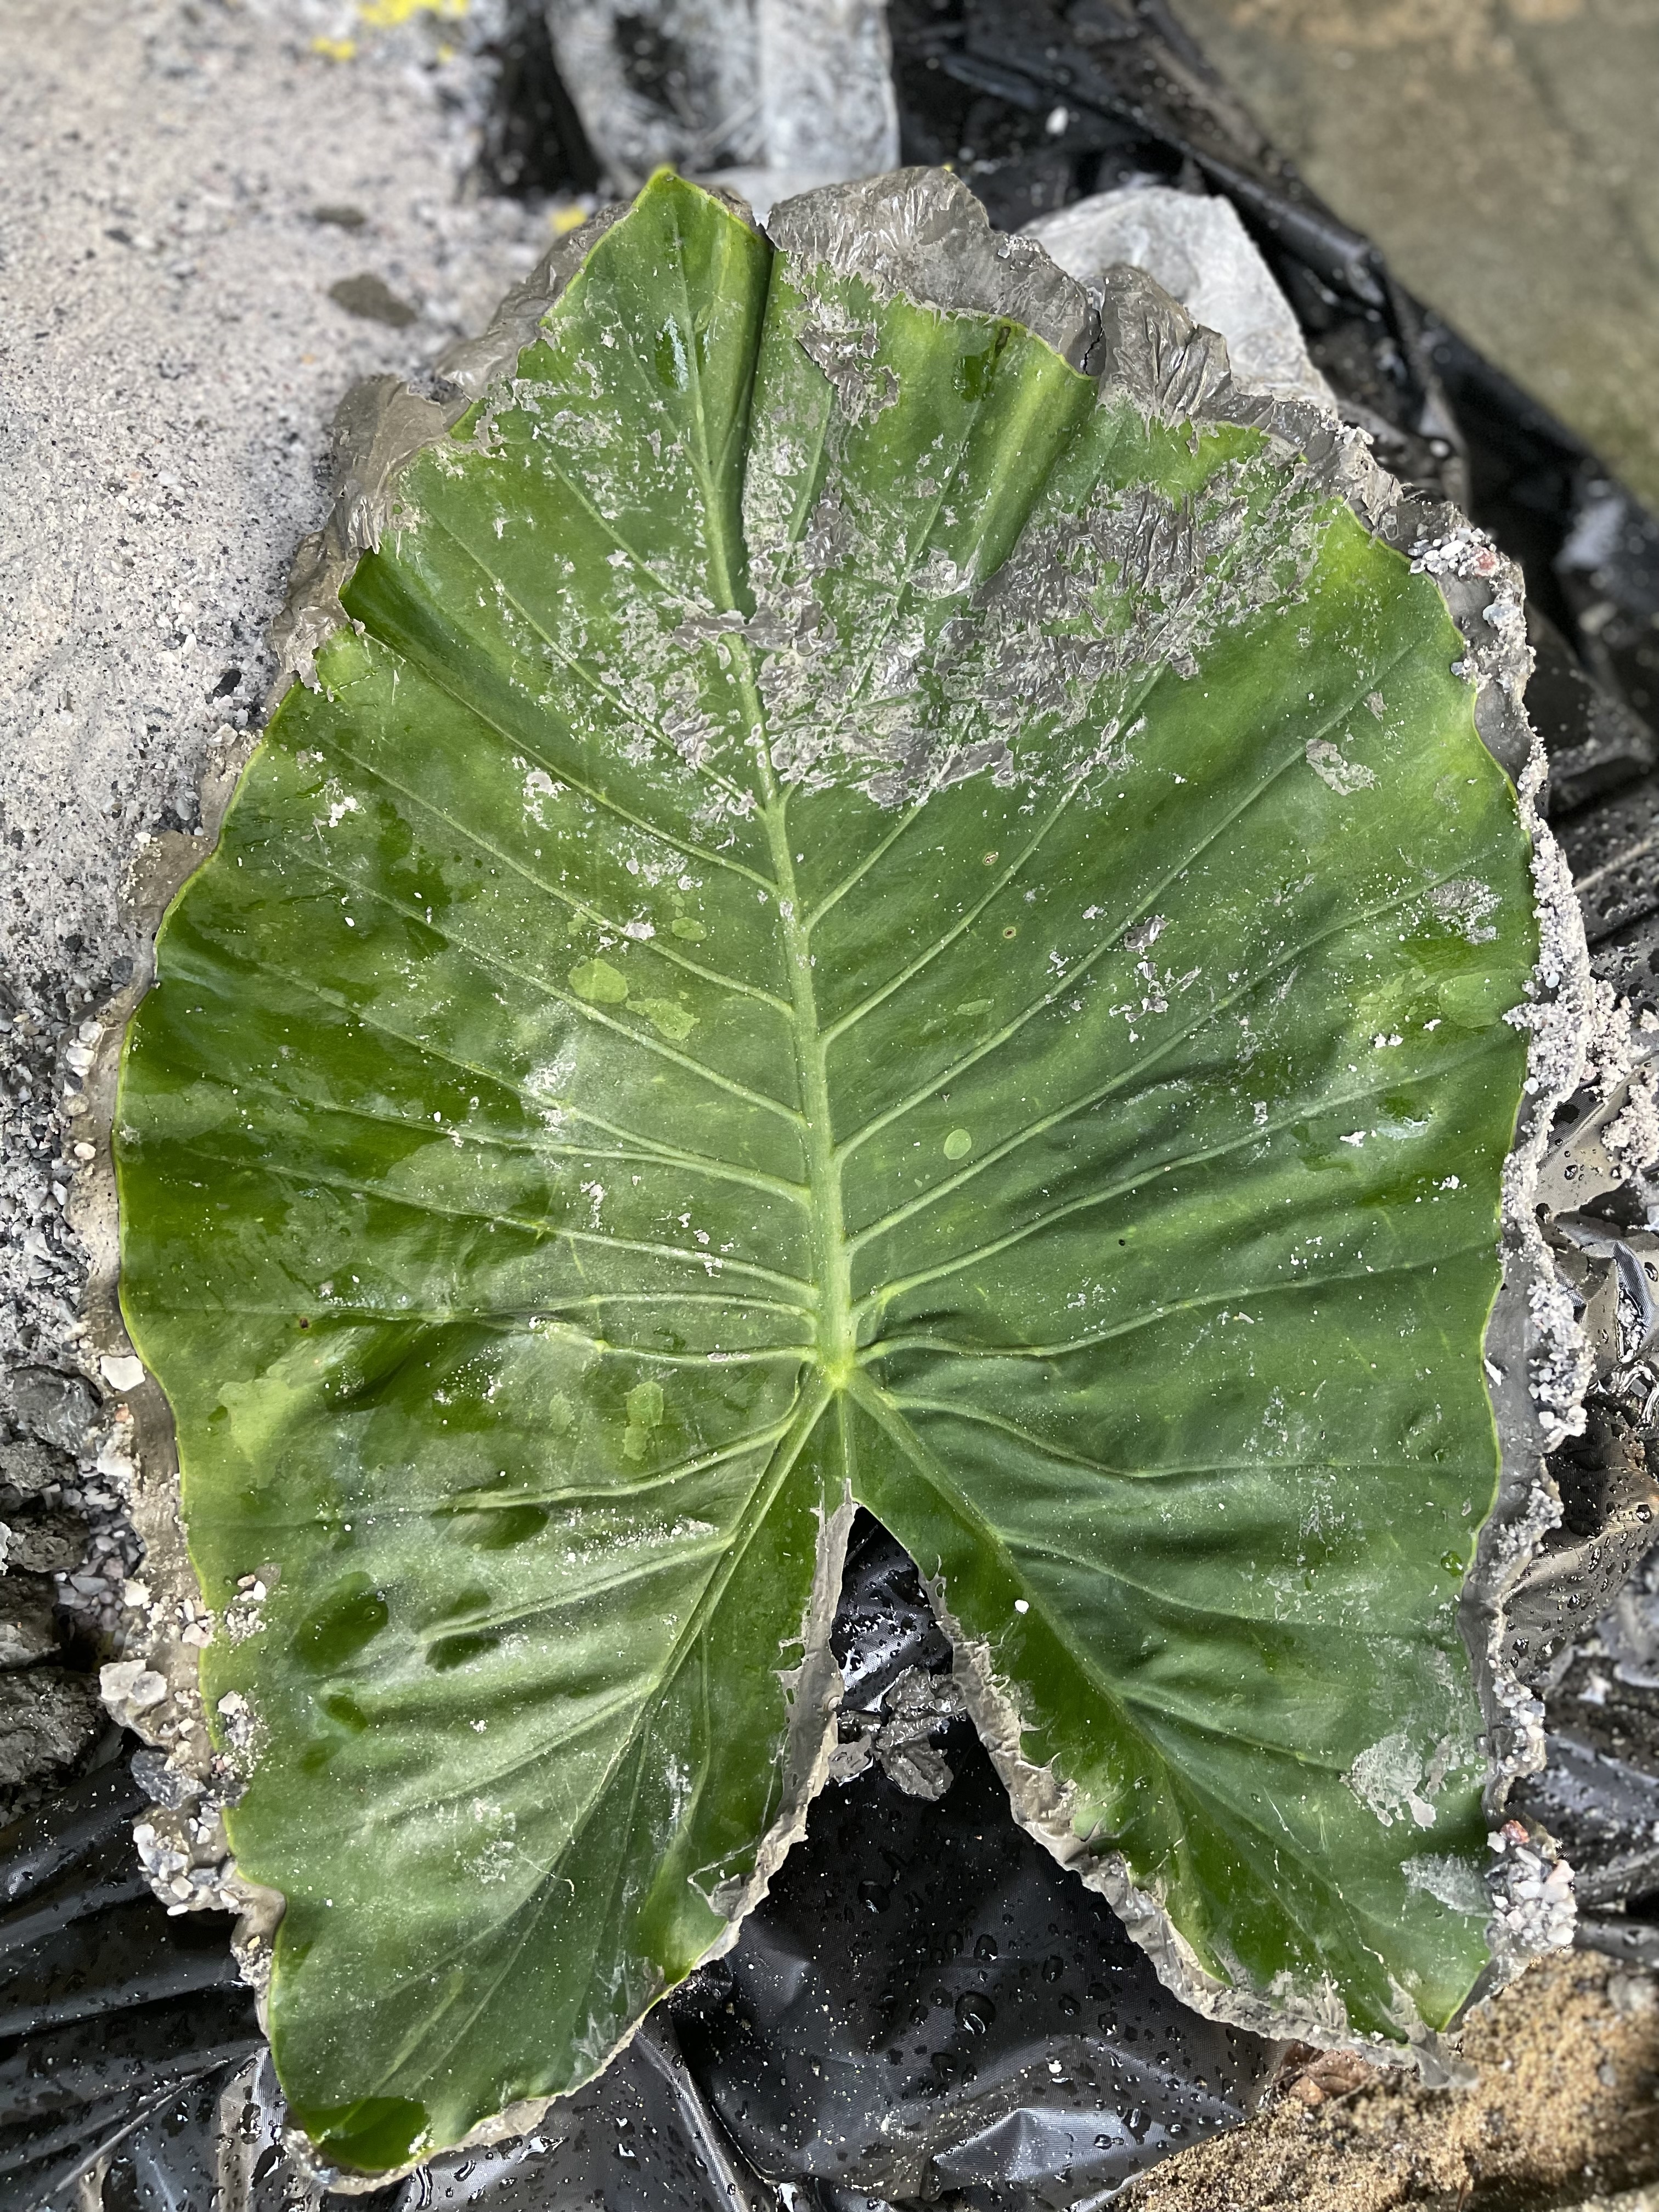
pixel 851 920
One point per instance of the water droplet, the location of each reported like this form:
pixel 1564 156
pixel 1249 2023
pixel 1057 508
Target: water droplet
pixel 498 1530
pixel 645 1411
pixel 959 1144
pixel 974 2012
pixel 673 369
pixel 645 1404
pixel 666 1017
pixel 986 1947
pixel 348 1621
pixel 974 371
pixel 692 932
pixel 452 1651
pixel 466 1605
pixel 599 982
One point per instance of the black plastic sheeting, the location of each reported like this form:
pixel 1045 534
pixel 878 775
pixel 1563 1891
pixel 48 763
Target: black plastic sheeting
pixel 927 2000
pixel 108 2006
pixel 926 2008
pixel 1604 1812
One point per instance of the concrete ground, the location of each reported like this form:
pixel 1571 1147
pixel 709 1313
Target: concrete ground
pixel 1505 153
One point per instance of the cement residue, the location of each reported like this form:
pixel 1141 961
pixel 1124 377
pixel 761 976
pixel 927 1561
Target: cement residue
pixel 379 426
pixel 922 232
pixel 1197 249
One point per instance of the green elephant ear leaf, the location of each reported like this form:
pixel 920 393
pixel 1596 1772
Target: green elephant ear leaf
pixel 856 918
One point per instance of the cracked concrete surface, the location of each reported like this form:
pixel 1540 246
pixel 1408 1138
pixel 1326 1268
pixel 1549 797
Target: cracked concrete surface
pixel 1502 153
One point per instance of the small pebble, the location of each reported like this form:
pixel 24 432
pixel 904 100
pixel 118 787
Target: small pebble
pixel 1633 1996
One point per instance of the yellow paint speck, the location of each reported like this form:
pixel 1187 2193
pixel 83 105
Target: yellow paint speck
pixel 387 15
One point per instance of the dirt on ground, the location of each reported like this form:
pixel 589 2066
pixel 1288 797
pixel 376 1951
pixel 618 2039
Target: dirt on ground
pixel 1565 2108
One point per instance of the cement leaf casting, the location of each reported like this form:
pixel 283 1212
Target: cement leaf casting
pixel 855 918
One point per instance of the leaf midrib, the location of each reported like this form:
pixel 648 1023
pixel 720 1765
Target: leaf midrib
pixel 833 1263
pixel 832 1259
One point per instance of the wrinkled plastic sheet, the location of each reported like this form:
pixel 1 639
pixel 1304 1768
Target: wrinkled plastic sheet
pixel 1604 1811
pixel 927 2000
pixel 773 96
pixel 976 2016
pixel 109 2010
